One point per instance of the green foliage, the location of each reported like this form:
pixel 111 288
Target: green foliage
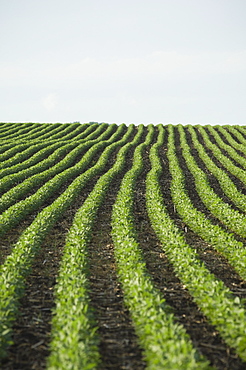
pixel 166 344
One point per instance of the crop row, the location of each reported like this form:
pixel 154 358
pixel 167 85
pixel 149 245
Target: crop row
pixel 229 164
pixel 36 175
pixel 15 213
pixel 17 265
pixel 228 148
pixel 227 185
pixel 212 296
pixel 233 219
pixel 166 344
pixel 62 133
pixel 74 342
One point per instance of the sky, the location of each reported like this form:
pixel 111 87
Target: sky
pixel 131 61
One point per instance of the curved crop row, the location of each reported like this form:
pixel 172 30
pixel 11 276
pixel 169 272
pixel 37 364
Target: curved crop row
pixel 38 175
pixel 22 156
pixel 14 214
pixel 63 128
pixel 86 132
pixel 16 131
pixel 91 133
pixel 47 133
pixel 166 344
pixel 31 160
pixel 230 139
pixel 233 219
pixel 241 129
pixel 63 135
pixel 46 158
pixel 9 128
pixel 63 132
pixel 225 243
pixel 37 131
pixel 77 130
pixel 18 264
pixel 5 147
pixel 214 299
pixel 235 131
pixel 227 185
pixel 11 149
pixel 27 130
pixel 227 163
pixel 229 149
pixel 48 129
pixel 74 341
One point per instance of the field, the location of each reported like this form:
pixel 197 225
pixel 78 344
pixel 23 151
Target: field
pixel 122 247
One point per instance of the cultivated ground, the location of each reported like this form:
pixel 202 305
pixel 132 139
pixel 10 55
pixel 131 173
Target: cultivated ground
pixel 118 343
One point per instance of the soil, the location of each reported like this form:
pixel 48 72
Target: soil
pixel 119 348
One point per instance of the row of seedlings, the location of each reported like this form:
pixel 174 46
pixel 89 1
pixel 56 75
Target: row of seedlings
pixel 98 129
pixel 241 129
pixel 45 132
pixel 29 169
pixel 36 132
pixel 233 219
pixel 227 185
pixel 197 221
pixel 79 129
pixel 18 211
pixel 33 159
pixel 64 129
pixel 74 342
pixel 17 153
pixel 165 343
pixel 231 141
pixel 44 176
pixel 18 131
pixel 92 130
pixel 215 300
pixel 23 155
pixel 7 146
pixel 62 132
pixel 238 158
pixel 225 161
pixel 85 134
pixel 18 264
pixel 65 134
pixel 10 128
pixel 236 133
pixel 47 159
pixel 22 134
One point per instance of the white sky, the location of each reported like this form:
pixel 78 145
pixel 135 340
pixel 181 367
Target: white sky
pixel 132 61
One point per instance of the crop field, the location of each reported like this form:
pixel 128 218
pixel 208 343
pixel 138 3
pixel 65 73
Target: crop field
pixel 122 247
